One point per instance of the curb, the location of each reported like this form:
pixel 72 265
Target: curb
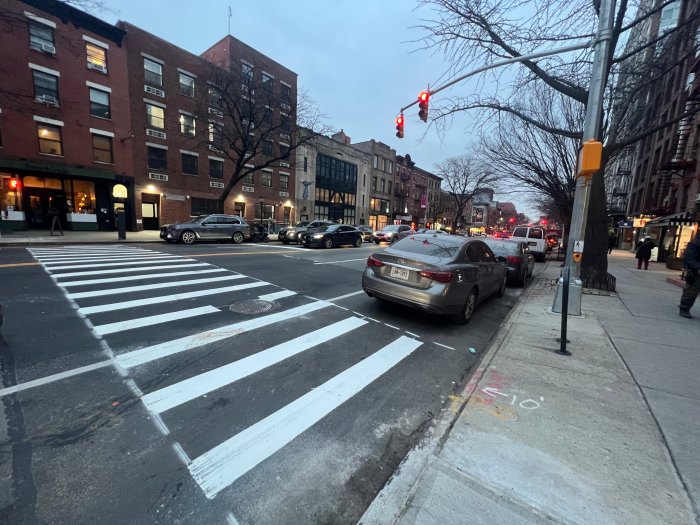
pixel 396 495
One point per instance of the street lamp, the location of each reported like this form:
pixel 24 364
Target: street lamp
pixel 261 211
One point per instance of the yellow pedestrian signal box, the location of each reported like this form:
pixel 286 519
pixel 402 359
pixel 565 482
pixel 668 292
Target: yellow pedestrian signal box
pixel 577 257
pixel 590 158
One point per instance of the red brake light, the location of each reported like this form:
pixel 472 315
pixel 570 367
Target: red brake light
pixel 441 277
pixel 514 259
pixel 371 261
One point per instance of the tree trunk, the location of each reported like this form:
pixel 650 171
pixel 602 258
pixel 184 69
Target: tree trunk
pixel 594 265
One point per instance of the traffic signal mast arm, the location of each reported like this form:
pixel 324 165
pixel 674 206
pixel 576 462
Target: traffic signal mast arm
pixel 521 58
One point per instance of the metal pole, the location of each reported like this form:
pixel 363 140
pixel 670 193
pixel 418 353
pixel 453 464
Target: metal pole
pixel 591 128
pixel 564 314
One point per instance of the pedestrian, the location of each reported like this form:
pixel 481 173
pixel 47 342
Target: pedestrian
pixel 691 261
pixel 643 253
pixel 612 241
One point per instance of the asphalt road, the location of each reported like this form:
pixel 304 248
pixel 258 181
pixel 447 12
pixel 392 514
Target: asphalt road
pixel 256 384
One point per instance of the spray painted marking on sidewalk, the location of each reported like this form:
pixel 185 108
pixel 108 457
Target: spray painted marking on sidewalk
pixel 527 404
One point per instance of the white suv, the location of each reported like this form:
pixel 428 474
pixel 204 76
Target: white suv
pixel 535 239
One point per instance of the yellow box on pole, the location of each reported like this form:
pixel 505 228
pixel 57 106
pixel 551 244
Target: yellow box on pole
pixel 590 158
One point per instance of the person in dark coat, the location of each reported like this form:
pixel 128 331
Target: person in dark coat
pixel 612 241
pixel 691 261
pixel 643 253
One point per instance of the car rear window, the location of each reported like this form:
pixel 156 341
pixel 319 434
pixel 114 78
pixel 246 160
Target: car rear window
pixel 503 248
pixel 520 232
pixel 391 228
pixel 535 234
pixel 443 246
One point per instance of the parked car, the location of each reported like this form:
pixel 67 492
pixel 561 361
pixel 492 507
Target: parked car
pixel 207 227
pixel 502 235
pixel 366 232
pixel 535 239
pixel 431 232
pixel 441 274
pixel 288 235
pixel 333 235
pixel 391 233
pixel 519 260
pixel 552 241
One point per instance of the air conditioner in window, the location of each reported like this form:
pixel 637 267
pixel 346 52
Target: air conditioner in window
pixel 697 197
pixel 284 106
pixel 213 184
pixel 284 194
pixel 158 176
pixel 284 164
pixel 48 48
pixel 97 67
pixel 155 133
pixel 49 100
pixel 249 189
pixel 154 91
pixel 214 147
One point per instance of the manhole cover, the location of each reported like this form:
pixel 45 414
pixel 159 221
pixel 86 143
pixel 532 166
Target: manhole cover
pixel 251 306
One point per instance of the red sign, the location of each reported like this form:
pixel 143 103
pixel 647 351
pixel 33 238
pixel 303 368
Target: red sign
pixel 423 201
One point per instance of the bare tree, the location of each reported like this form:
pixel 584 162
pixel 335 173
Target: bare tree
pixel 527 158
pixel 464 178
pixel 477 32
pixel 254 126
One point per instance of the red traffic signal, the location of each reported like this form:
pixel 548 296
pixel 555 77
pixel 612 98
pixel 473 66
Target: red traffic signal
pixel 423 99
pixel 399 126
pixel 512 219
pixel 14 184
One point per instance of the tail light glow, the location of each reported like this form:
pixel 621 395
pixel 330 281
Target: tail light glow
pixel 515 259
pixel 441 277
pixel 371 261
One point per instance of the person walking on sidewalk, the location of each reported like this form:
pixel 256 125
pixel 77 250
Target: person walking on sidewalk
pixel 691 261
pixel 612 241
pixel 643 253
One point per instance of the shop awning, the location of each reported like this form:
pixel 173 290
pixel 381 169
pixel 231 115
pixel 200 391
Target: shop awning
pixel 677 219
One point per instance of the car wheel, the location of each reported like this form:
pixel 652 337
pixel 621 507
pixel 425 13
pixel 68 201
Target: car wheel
pixel 358 242
pixel 328 243
pixel 188 237
pixel 285 241
pixel 376 242
pixel 393 239
pixel 523 280
pixel 465 314
pixel 237 238
pixel 502 289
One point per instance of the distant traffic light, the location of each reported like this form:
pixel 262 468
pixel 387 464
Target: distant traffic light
pixel 511 220
pixel 423 99
pixel 14 184
pixel 399 125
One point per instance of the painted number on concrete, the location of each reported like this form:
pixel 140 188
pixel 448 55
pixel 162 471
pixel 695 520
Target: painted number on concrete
pixel 527 404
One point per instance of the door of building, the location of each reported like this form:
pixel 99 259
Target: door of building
pixel 150 211
pixel 43 205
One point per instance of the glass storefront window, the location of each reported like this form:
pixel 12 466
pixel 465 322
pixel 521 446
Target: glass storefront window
pixel 10 198
pixel 83 196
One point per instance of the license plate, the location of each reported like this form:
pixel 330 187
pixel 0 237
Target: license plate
pixel 399 273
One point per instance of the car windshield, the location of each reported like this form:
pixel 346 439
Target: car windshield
pixel 443 246
pixel 301 224
pixel 391 228
pixel 198 219
pixel 325 228
pixel 502 248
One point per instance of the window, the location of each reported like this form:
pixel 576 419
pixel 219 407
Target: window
pixel 669 16
pixel 157 158
pixel 45 87
pixel 50 141
pixel 388 187
pixel 187 125
pixel 190 164
pixel 99 103
pixel 153 72
pixel 285 123
pixel 203 206
pixel 155 116
pixel 247 72
pixel 382 185
pixel 214 97
pixel 216 169
pixel 374 183
pixel 267 81
pixel 215 138
pixel 391 166
pixel 267 148
pixel 186 85
pixel 96 57
pixel 284 151
pixel 41 37
pixel 284 182
pixel 102 149
pixel 285 93
pixel 267 179
pixel 248 179
pixel 306 163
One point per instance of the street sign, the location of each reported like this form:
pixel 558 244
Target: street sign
pixel 578 247
pixel 424 201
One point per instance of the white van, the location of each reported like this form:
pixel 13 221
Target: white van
pixel 535 239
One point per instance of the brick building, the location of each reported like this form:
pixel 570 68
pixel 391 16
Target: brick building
pixel 64 118
pixel 416 193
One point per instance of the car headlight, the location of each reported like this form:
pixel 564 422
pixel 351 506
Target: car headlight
pixel 318 236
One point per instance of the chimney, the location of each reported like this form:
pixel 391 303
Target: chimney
pixel 342 137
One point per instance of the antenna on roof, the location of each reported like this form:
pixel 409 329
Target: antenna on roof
pixel 230 14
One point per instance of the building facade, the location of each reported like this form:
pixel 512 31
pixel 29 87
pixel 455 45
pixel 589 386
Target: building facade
pixel 65 153
pixel 381 182
pixel 332 180
pixel 416 194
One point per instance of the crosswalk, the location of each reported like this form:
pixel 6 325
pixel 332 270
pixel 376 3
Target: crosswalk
pixel 170 324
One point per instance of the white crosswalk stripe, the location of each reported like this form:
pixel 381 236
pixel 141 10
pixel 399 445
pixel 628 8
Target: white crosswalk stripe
pixel 195 330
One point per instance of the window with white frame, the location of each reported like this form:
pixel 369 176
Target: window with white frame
pixel 96 57
pixel 102 149
pixel 155 116
pixel 153 72
pixel 186 85
pixel 99 104
pixel 45 87
pixel 187 125
pixel 190 164
pixel 266 179
pixel 41 37
pixel 247 72
pixel 284 182
pixel 216 169
pixel 50 139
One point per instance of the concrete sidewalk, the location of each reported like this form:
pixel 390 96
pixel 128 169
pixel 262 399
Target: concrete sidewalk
pixel 32 237
pixel 608 435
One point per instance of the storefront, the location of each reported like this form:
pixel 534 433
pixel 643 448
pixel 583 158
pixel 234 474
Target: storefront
pixel 81 199
pixel 672 233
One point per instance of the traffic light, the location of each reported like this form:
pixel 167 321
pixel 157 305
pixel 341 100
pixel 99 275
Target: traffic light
pixel 511 220
pixel 423 105
pixel 399 125
pixel 14 184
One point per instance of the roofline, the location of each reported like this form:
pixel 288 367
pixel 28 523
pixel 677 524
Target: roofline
pixel 231 37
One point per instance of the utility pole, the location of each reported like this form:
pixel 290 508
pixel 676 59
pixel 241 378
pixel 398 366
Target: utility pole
pixel 591 135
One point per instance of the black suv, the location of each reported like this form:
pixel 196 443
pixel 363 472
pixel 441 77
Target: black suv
pixel 288 235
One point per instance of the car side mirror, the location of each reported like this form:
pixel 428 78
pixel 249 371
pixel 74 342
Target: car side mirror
pixel 501 259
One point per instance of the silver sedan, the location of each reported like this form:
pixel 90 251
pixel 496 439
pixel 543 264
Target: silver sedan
pixel 441 274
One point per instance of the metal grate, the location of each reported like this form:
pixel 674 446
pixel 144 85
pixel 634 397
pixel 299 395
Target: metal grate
pixel 606 282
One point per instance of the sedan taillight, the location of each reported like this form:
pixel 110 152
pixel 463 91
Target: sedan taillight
pixel 514 259
pixel 371 261
pixel 441 277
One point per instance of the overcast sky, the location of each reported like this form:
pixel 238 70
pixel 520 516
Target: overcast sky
pixel 359 59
